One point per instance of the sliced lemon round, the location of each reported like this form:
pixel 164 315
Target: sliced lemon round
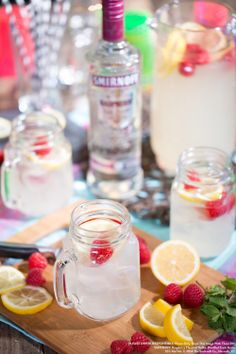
pixel 175 328
pixel 201 195
pixel 27 300
pixel 163 306
pixel 151 320
pixel 10 279
pixel 193 32
pixel 172 52
pixel 50 164
pixel 175 261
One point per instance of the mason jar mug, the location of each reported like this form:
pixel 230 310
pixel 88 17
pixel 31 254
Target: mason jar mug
pixel 37 170
pixel 203 200
pixel 98 271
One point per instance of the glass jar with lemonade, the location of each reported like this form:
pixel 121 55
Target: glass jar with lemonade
pixel 194 96
pixel 37 171
pixel 98 272
pixel 203 201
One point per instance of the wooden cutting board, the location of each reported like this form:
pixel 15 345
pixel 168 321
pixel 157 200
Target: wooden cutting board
pixel 68 332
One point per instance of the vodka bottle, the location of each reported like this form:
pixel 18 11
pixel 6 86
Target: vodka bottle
pixel 115 111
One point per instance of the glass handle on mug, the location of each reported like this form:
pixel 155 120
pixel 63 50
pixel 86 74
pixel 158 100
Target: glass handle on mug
pixel 60 282
pixel 6 191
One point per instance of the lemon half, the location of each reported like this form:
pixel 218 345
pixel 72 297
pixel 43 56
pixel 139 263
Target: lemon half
pixel 175 261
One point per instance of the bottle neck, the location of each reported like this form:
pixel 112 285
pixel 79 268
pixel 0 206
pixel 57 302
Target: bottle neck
pixel 113 20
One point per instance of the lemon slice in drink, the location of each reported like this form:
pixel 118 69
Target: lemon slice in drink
pixel 50 164
pixel 175 327
pixel 175 261
pixel 201 195
pixel 27 300
pixel 172 52
pixel 10 279
pixel 193 32
pixel 151 320
pixel 163 306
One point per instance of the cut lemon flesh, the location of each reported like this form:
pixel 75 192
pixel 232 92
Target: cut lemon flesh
pixel 163 306
pixel 175 328
pixel 151 320
pixel 175 261
pixel 172 52
pixel 202 195
pixel 193 32
pixel 10 279
pixel 50 162
pixel 27 300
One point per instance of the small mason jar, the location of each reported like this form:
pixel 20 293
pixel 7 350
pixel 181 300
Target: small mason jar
pixel 37 173
pixel 203 200
pixel 98 271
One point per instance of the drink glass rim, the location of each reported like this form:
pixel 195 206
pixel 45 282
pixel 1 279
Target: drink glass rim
pixel 99 209
pixel 216 158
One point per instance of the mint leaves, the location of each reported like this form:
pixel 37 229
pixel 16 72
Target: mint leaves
pixel 220 306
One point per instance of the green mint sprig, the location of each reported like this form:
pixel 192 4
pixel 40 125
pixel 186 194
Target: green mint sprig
pixel 220 306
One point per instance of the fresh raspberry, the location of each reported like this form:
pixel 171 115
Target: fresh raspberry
pixel 173 294
pixel 140 342
pixel 100 255
pixel 37 260
pixel 196 55
pixel 219 207
pixel 186 69
pixel 35 277
pixel 42 140
pixel 193 176
pixel 144 252
pixel 120 346
pixel 193 296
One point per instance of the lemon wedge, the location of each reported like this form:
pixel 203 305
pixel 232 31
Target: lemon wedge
pixel 172 52
pixel 10 279
pixel 151 320
pixel 27 300
pixel 175 327
pixel 175 261
pixel 163 306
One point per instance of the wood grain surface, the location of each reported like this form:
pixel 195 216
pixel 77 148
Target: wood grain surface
pixel 13 342
pixel 67 332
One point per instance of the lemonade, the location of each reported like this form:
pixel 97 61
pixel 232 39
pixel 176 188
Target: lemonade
pixel 203 201
pixel 37 171
pixel 39 185
pixel 102 275
pixel 194 96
